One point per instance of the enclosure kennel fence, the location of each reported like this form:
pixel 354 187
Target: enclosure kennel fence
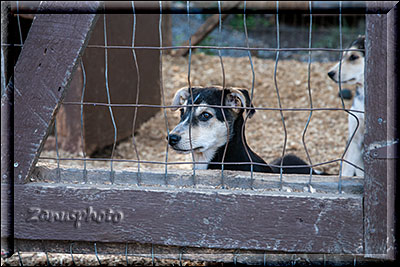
pixel 135 212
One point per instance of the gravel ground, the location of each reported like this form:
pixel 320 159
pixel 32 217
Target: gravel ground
pixel 63 259
pixel 325 137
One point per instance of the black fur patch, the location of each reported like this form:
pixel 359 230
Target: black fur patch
pixel 212 96
pixel 237 150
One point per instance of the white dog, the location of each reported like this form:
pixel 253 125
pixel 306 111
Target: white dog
pixel 352 72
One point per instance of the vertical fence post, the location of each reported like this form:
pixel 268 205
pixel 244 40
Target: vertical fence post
pixel 7 174
pixel 392 130
pixel 380 131
pixel 7 100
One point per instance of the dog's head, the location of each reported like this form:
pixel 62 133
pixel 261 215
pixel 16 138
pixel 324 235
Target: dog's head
pixel 352 65
pixel 207 126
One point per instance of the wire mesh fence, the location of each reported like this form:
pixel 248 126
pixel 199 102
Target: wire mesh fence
pixel 278 111
pixel 284 110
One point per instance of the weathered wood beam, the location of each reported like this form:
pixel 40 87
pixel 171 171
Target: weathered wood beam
pixel 204 179
pixel 380 131
pixel 42 74
pixel 190 217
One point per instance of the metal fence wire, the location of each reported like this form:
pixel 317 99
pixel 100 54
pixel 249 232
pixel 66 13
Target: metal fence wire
pixel 164 106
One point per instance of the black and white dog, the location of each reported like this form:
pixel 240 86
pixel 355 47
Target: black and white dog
pixel 209 131
pixel 352 72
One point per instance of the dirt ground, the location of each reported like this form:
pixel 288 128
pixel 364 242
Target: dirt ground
pixel 63 259
pixel 325 137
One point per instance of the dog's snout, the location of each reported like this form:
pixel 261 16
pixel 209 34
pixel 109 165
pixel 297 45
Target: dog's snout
pixel 331 74
pixel 173 139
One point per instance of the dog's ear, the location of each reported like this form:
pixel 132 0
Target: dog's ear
pixel 180 97
pixel 239 98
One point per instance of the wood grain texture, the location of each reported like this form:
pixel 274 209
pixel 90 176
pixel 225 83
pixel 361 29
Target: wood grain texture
pixel 229 219
pixel 98 127
pixel 392 128
pixel 7 155
pixel 42 74
pixel 375 190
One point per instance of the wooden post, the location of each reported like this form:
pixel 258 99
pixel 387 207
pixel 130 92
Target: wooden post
pixel 42 74
pixel 98 129
pixel 7 105
pixel 7 177
pixel 380 132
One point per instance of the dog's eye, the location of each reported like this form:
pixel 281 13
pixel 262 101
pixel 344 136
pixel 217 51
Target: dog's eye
pixel 353 57
pixel 205 116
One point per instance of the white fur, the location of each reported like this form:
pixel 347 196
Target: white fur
pixel 352 72
pixel 205 156
pixel 205 138
pixel 355 149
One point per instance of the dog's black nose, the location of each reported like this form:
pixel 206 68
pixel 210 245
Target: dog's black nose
pixel 173 139
pixel 331 74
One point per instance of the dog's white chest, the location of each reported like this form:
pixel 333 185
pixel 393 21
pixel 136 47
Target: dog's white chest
pixel 205 156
